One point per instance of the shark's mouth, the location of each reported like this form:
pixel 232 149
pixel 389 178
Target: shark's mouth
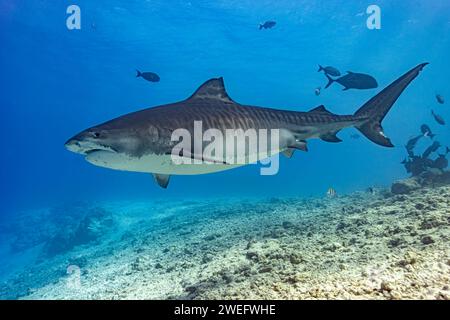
pixel 88 152
pixel 100 149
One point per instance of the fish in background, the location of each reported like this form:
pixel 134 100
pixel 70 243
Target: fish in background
pixel 425 129
pixel 441 162
pixel 411 144
pixel 331 193
pixel 149 76
pixel 317 91
pixel 267 25
pixel 433 148
pixel 440 99
pixel 332 71
pixel 438 118
pixel 354 80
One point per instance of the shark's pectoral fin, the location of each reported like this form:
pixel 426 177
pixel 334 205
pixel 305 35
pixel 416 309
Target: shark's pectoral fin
pixel 299 145
pixel 288 153
pixel 162 179
pixel 330 137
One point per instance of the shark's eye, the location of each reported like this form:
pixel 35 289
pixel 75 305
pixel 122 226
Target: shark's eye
pixel 96 134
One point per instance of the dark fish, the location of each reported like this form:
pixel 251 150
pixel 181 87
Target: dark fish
pixel 418 165
pixel 440 99
pixel 149 76
pixel 354 81
pixel 355 136
pixel 317 91
pixel 332 71
pixel 438 118
pixel 267 25
pixel 411 145
pixel 433 148
pixel 427 131
pixel 441 162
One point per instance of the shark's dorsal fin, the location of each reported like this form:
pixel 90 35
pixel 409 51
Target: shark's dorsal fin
pixel 320 109
pixel 212 89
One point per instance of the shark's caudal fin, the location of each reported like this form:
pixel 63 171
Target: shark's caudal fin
pixel 320 68
pixel 138 73
pixel 377 107
pixel 330 81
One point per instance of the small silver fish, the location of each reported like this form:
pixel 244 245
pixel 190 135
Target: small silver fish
pixel 317 91
pixel 331 193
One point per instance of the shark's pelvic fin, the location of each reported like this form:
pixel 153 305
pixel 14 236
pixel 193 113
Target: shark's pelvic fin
pixel 288 153
pixel 212 89
pixel 376 108
pixel 162 179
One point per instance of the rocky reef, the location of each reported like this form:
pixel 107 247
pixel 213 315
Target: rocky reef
pixel 383 244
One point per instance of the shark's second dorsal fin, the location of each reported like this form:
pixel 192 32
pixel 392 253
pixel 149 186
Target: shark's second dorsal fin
pixel 212 89
pixel 320 109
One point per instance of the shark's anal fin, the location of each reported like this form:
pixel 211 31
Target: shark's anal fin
pixel 162 179
pixel 330 137
pixel 288 153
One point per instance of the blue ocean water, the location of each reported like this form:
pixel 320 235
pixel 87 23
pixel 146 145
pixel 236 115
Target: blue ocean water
pixel 56 82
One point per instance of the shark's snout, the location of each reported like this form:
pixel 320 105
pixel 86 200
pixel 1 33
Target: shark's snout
pixel 74 145
pixel 87 142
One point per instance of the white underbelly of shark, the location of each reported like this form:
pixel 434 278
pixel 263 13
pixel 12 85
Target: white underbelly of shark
pixel 153 163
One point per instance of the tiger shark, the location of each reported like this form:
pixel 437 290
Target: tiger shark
pixel 143 141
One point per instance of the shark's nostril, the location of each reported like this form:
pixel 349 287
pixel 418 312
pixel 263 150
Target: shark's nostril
pixel 73 145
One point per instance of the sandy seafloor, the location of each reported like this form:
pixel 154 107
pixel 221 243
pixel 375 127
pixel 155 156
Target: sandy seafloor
pixel 366 245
